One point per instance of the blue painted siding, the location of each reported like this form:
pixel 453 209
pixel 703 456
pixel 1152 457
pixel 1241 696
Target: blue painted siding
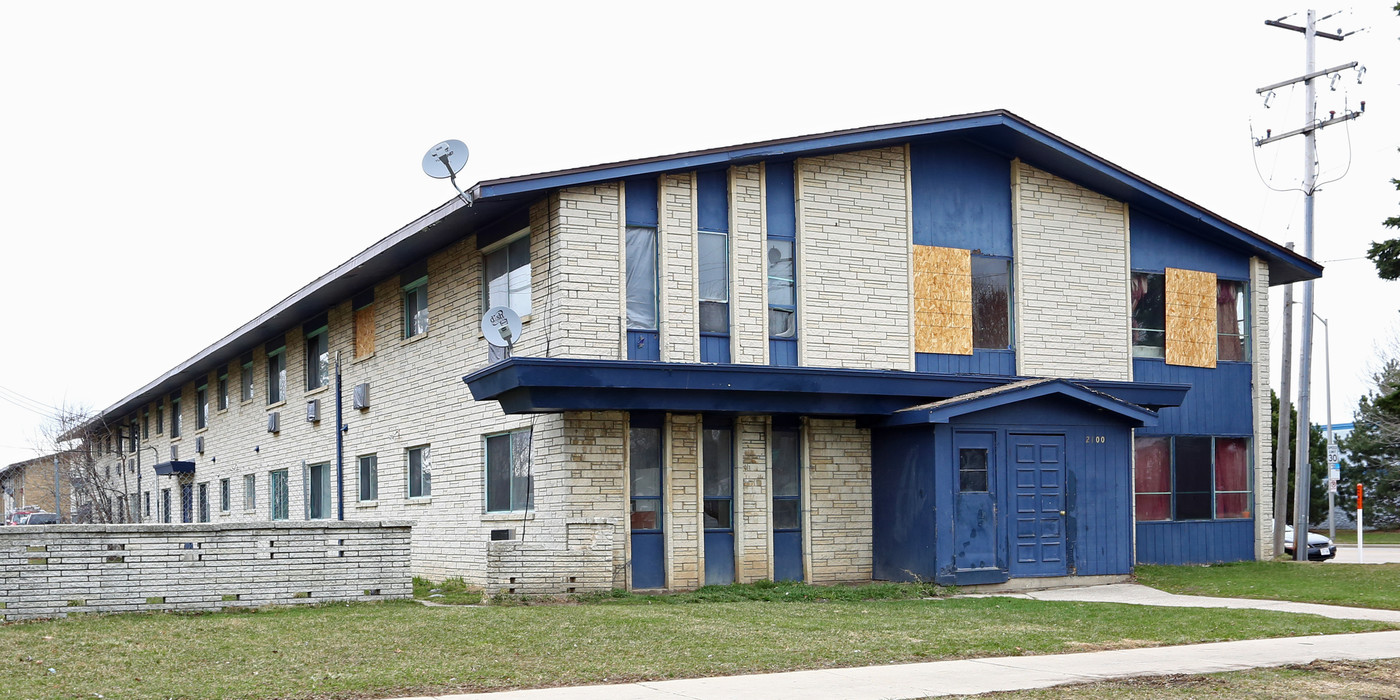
pixel 719 558
pixel 641 202
pixel 782 352
pixel 643 345
pixel 1099 499
pixel 780 200
pixel 902 504
pixel 1195 542
pixel 1156 245
pixel 995 362
pixel 712 200
pixel 714 348
pixel 648 560
pixel 787 556
pixel 961 197
pixel 1219 402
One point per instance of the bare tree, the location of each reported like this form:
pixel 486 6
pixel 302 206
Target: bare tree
pixel 89 454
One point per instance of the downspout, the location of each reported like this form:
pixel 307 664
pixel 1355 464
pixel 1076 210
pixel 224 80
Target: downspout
pixel 340 428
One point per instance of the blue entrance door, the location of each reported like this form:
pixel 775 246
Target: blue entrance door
pixel 975 529
pixel 1038 505
pixel 647 527
pixel 717 457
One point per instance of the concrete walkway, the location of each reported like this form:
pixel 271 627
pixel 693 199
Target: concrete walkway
pixel 972 676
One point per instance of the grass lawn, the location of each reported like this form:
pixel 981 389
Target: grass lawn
pixel 1378 537
pixel 1320 679
pixel 1359 585
pixel 453 591
pixel 403 648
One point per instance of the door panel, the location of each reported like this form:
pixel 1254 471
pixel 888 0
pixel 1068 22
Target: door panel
pixel 975 530
pixel 1038 532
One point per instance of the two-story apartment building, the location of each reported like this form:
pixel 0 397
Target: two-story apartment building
pixel 959 349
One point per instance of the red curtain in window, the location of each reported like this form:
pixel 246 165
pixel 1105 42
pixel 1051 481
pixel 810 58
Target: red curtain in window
pixel 1232 474
pixel 1227 320
pixel 1153 480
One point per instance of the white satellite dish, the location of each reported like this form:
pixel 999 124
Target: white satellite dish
pixel 501 327
pixel 445 160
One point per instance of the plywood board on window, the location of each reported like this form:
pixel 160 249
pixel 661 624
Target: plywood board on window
pixel 364 331
pixel 942 300
pixel 1190 317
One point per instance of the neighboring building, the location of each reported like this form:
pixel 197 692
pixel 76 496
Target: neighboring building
pixel 31 483
pixel 915 350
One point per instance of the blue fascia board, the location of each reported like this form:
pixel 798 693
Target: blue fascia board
pixel 551 385
pixel 1059 387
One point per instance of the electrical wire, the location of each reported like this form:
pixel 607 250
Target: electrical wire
pixel 32 402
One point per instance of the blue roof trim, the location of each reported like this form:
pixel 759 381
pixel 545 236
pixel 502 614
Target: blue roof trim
pixel 998 130
pixel 553 385
pixel 943 411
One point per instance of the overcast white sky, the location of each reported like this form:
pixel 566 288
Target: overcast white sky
pixel 170 170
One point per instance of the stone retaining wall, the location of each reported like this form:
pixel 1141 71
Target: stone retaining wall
pixel 56 570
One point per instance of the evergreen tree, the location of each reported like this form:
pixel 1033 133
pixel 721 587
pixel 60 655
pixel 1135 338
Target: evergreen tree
pixel 1373 450
pixel 1317 459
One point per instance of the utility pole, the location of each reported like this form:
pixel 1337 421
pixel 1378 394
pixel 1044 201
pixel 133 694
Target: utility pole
pixel 1303 481
pixel 1284 455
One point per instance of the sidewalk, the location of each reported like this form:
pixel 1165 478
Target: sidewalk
pixel 969 676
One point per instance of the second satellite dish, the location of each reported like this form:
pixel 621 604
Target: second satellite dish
pixel 501 326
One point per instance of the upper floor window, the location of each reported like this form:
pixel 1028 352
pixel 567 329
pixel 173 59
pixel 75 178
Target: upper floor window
pixel 508 276
pixel 223 388
pixel 245 378
pixel 160 419
pixel 146 423
pixel 991 303
pixel 714 282
pixel 1149 297
pixel 318 364
pixel 508 471
pixel 364 323
pixel 782 288
pixel 174 416
pixel 641 278
pixel 1232 321
pixel 201 407
pixel 276 371
pixel 415 301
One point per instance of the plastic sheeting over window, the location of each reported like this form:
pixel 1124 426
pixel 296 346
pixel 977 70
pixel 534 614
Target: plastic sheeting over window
pixel 641 278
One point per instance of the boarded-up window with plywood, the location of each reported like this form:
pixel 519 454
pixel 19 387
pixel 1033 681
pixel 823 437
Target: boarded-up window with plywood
pixel 1190 318
pixel 364 323
pixel 942 300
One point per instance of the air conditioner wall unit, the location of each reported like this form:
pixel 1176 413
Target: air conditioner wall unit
pixel 313 411
pixel 274 423
pixel 362 396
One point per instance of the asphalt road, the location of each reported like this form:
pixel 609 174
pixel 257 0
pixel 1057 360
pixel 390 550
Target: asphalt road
pixel 1374 554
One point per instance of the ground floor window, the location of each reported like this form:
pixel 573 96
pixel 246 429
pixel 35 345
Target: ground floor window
pixel 277 494
pixel 508 471
pixel 318 492
pixel 204 502
pixel 250 491
pixel 165 505
pixel 224 496
pixel 420 474
pixel 1192 477
pixel 369 478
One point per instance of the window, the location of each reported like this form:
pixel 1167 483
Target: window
pixel 174 417
pixel 508 276
pixel 201 407
pixel 369 478
pixel 972 470
pixel 415 301
pixel 1149 295
pixel 245 378
pixel 276 372
pixel 991 303
pixel 318 358
pixel 714 282
pixel 132 435
pixel 1232 321
pixel 787 480
pixel 223 388
pixel 277 493
pixel 147 498
pixel 364 323
pixel 782 288
pixel 508 471
pixel 160 419
pixel 318 492
pixel 644 454
pixel 224 496
pixel 717 447
pixel 204 502
pixel 1188 477
pixel 146 423
pixel 165 505
pixel 420 475
pixel 250 491
pixel 641 278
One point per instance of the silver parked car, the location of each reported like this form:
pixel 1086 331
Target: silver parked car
pixel 1320 547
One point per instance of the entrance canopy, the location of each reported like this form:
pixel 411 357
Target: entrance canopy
pixel 554 385
pixel 174 467
pixel 1016 392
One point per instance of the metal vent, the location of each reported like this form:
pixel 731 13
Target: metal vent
pixel 362 396
pixel 498 535
pixel 199 444
pixel 274 424
pixel 313 411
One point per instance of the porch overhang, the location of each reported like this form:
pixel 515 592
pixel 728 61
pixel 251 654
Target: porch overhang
pixel 1016 392
pixel 554 385
pixel 174 467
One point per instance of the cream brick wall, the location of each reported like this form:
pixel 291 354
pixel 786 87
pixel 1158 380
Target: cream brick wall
pixel 837 499
pixel 1263 411
pixel 685 547
pixel 853 266
pixel 753 535
pixel 1071 287
pixel 748 309
pixel 680 330
pixel 583 279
